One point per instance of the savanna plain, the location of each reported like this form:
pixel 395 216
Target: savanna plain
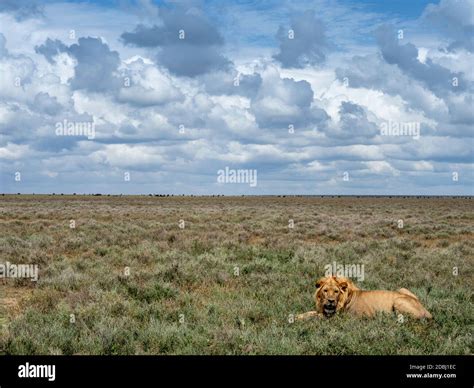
pixel 225 275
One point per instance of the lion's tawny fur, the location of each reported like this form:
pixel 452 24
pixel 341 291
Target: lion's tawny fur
pixel 348 297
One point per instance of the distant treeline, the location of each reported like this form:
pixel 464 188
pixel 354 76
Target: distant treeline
pixel 243 195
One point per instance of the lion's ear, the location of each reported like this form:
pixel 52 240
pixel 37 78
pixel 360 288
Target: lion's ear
pixel 344 286
pixel 319 283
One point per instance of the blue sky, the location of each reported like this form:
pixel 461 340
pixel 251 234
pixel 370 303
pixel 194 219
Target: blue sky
pixel 410 9
pixel 315 96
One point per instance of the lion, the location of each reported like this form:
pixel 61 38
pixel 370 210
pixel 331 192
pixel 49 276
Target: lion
pixel 336 293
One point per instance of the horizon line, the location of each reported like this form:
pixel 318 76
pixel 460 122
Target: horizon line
pixel 242 195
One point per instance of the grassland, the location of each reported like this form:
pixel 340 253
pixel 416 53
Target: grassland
pixel 228 282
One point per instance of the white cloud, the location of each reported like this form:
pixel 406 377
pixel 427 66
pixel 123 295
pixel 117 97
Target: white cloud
pixel 178 130
pixel 13 151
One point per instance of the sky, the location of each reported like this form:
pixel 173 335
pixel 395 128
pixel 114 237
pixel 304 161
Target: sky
pixel 314 97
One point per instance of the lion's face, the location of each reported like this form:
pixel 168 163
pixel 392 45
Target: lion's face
pixel 331 294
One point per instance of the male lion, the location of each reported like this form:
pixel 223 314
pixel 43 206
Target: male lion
pixel 339 293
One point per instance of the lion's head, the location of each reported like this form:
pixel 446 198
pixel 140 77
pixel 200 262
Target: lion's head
pixel 332 294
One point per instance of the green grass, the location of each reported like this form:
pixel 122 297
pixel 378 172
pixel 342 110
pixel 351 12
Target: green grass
pixel 229 281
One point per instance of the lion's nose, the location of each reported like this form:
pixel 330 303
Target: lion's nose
pixel 331 300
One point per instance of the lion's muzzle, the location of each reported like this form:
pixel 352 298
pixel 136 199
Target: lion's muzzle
pixel 329 308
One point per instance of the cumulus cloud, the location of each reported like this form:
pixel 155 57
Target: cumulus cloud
pixel 353 124
pixel 43 102
pixel 405 56
pixel 232 82
pixel 51 48
pixel 281 102
pixel 188 45
pixel 17 71
pixel 461 111
pixel 148 85
pixel 304 43
pixel 456 18
pixel 173 111
pixel 372 72
pixel 95 65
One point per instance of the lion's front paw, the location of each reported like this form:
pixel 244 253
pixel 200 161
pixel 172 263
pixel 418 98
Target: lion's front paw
pixel 308 315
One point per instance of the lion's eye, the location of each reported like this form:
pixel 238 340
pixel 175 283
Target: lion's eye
pixel 336 291
pixel 325 291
